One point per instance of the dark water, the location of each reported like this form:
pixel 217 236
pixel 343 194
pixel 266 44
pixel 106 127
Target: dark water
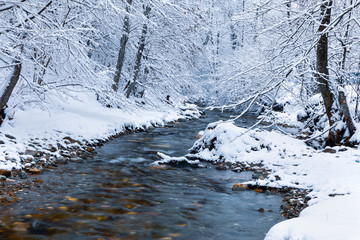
pixel 119 195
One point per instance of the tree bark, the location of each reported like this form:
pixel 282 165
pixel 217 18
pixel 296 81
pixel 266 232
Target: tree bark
pixel 131 87
pixel 123 41
pixel 5 95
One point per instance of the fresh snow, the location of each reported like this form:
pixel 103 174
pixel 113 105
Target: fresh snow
pixel 297 165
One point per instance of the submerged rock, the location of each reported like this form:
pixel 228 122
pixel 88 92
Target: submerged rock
pixel 261 210
pixel 23 175
pixel 239 187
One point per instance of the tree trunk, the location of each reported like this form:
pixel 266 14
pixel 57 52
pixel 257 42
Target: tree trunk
pixel 131 87
pixel 344 108
pixel 8 88
pixel 123 41
pixel 322 74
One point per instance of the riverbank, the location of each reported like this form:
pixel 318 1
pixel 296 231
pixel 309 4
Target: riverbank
pixel 331 177
pixel 36 138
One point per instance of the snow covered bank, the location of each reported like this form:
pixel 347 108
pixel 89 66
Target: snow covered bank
pixel 333 175
pixel 73 121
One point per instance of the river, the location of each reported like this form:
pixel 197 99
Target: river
pixel 120 195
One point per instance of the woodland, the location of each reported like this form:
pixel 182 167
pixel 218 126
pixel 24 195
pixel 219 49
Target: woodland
pixel 88 69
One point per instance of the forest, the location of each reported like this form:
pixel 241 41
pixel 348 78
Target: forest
pixel 77 74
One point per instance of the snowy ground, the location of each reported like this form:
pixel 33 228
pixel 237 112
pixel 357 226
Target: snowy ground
pixel 82 118
pixel 329 173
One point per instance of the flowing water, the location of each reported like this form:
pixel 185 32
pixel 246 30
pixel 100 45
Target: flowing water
pixel 119 195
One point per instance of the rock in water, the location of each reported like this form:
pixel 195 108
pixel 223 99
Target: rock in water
pixel 90 149
pixel 23 175
pixel 34 170
pixel 239 187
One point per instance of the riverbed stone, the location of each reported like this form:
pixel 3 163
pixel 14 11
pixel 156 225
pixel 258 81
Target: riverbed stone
pixel 61 160
pixel 258 190
pixel 90 149
pixel 72 141
pixel 23 175
pixel 34 170
pixel 239 187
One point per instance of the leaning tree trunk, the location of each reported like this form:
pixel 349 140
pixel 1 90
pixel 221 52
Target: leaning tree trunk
pixel 8 88
pixel 123 41
pixel 131 87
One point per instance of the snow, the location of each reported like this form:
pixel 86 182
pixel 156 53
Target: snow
pixel 167 160
pixel 334 178
pixel 336 218
pixel 82 118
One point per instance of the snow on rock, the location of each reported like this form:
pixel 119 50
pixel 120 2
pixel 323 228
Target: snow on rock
pixel 332 175
pixel 175 160
pixel 80 119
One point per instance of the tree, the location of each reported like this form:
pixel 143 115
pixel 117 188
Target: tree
pixel 123 41
pixel 131 86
